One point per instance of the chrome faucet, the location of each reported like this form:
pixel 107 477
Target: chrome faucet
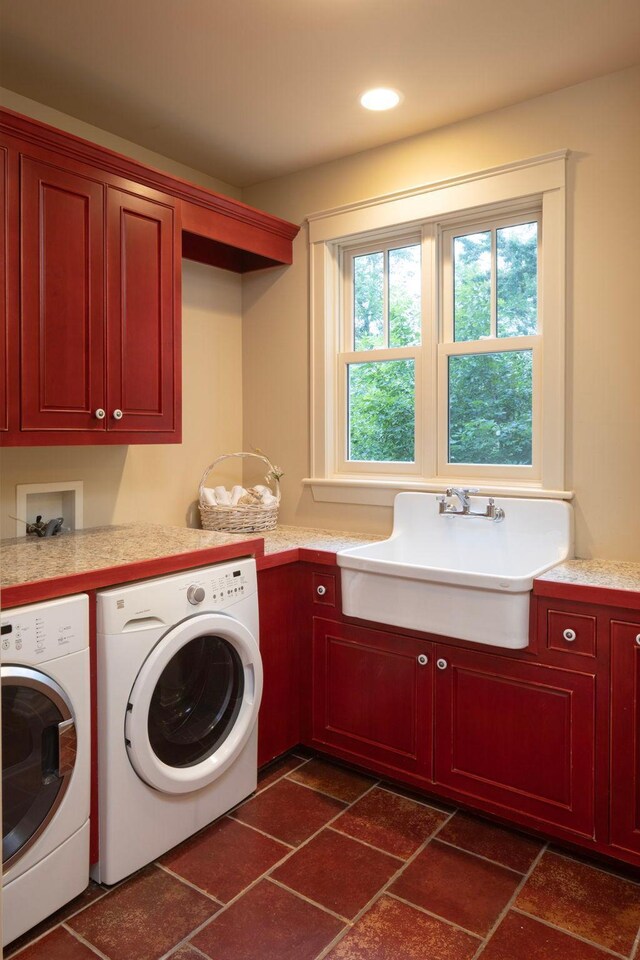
pixel 463 493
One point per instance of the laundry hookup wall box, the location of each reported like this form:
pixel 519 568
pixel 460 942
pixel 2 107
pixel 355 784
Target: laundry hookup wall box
pixel 63 498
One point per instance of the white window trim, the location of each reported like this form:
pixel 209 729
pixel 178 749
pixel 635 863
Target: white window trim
pixel 539 181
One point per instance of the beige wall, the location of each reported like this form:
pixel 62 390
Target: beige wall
pixel 599 122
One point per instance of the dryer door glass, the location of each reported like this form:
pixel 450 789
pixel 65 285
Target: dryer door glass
pixel 196 701
pixel 33 715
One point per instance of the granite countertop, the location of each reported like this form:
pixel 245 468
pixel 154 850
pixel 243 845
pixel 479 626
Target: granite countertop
pixel 32 559
pixel 309 538
pixel 607 574
pixel 29 559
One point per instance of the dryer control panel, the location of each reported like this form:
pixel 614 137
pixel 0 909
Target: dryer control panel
pixel 44 631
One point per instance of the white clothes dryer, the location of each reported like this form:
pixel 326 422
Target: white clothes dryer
pixel 46 744
pixel 179 687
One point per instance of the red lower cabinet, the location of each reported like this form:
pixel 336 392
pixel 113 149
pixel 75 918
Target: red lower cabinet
pixel 517 734
pixel 625 735
pixel 372 699
pixel 279 718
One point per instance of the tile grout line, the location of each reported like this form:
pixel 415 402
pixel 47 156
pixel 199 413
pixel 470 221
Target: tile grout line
pixel 325 793
pixel 570 933
pixel 61 922
pixel 510 902
pixel 365 843
pixel 479 856
pixel 260 789
pixel 168 956
pixel 594 865
pixel 303 896
pixel 188 883
pixel 635 951
pixel 262 833
pixel 436 916
pixel 263 876
pixel 85 943
pixel 380 893
pixel 400 792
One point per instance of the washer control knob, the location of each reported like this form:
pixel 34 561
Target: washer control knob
pixel 195 594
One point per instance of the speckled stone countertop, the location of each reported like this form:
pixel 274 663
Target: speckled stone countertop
pixel 285 538
pixel 29 559
pixel 102 555
pixel 606 574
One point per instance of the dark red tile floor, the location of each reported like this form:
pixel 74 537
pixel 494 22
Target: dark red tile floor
pixel 325 862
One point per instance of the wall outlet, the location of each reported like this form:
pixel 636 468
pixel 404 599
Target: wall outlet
pixel 50 500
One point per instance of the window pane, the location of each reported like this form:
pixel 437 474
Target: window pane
pixel 490 408
pixel 382 411
pixel 368 301
pixel 472 286
pixel 404 296
pixel 517 280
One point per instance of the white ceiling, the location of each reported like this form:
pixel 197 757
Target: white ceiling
pixel 245 90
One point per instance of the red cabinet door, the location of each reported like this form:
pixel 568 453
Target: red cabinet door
pixel 517 734
pixel 279 718
pixel 143 311
pixel 62 299
pixel 625 735
pixel 372 697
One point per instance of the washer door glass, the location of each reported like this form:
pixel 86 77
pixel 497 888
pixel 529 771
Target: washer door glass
pixel 196 701
pixel 35 719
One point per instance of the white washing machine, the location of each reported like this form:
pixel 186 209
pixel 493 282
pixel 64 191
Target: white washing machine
pixel 179 687
pixel 45 760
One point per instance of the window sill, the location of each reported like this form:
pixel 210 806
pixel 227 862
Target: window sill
pixel 381 493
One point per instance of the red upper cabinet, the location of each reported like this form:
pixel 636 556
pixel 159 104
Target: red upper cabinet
pixel 517 734
pixel 91 247
pixel 625 735
pixel 62 299
pixel 4 288
pixel 143 342
pixel 100 309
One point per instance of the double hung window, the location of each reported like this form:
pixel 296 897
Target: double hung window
pixel 438 347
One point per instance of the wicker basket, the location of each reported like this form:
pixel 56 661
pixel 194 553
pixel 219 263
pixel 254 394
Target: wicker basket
pixel 249 518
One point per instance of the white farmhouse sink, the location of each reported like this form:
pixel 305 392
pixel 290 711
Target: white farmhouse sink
pixel 465 577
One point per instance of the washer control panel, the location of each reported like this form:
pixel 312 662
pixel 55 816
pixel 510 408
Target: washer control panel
pixel 44 631
pixel 166 600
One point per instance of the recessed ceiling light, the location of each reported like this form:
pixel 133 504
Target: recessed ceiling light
pixel 381 98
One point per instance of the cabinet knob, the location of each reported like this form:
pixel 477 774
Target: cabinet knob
pixel 100 414
pixel 638 638
pixel 320 590
pixel 117 414
pixel 569 635
pixel 441 664
pixel 423 659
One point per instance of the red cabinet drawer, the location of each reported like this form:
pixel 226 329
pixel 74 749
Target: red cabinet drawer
pixel 324 589
pixel 571 633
